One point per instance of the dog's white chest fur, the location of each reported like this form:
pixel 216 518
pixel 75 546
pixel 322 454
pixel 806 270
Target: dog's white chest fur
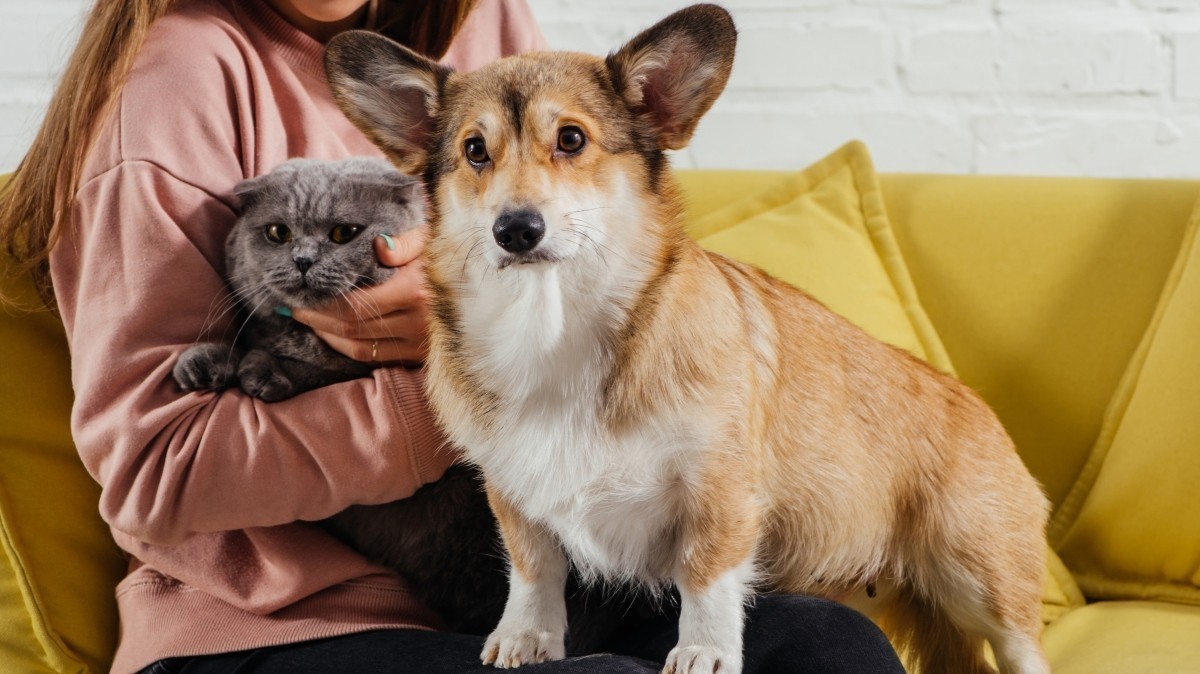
pixel 612 500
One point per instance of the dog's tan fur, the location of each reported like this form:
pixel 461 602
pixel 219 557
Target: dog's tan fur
pixel 836 462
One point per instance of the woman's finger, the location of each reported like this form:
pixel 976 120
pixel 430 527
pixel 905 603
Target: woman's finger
pixel 397 250
pixel 378 351
pixel 404 292
pixel 404 325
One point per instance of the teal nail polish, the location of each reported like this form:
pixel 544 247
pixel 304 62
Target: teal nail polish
pixel 387 238
pixel 283 311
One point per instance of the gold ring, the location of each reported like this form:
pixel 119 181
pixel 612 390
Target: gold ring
pixel 375 349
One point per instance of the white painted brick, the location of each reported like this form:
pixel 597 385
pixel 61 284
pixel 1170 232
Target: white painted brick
pixel 1095 87
pixel 1088 145
pixel 1169 5
pixel 907 3
pixel 591 37
pixel 1081 5
pixel 748 139
pixel 1084 63
pixel 735 5
pixel 1187 66
pixel 799 57
pixel 952 61
pixel 18 124
pixel 36 38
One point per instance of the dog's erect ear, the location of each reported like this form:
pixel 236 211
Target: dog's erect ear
pixel 389 91
pixel 672 72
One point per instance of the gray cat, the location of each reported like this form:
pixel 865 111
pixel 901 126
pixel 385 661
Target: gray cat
pixel 304 235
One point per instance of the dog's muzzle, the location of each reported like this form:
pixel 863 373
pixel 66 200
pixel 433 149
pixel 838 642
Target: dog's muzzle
pixel 519 231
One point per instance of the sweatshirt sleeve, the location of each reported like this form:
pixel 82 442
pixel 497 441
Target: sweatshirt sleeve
pixel 494 29
pixel 136 287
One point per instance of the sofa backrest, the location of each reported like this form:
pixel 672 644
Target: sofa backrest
pixel 58 562
pixel 1041 289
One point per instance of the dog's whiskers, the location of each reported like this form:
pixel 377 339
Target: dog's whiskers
pixel 466 236
pixel 581 227
pixel 568 214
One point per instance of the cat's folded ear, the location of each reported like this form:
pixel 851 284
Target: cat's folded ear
pixel 400 188
pixel 249 191
pixel 404 189
pixel 389 91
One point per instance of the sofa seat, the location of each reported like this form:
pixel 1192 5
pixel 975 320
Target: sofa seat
pixel 1135 637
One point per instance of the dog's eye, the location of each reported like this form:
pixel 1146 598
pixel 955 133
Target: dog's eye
pixel 571 139
pixel 344 233
pixel 277 233
pixel 476 151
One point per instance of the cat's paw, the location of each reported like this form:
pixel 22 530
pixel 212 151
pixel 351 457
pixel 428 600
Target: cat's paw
pixel 262 377
pixel 506 649
pixel 702 660
pixel 206 367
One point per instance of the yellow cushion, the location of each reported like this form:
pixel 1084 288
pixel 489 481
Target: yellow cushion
pixel 1130 527
pixel 1122 637
pixel 826 230
pixel 1060 592
pixel 1041 289
pixel 58 563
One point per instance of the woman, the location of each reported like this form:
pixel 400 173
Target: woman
pixel 124 202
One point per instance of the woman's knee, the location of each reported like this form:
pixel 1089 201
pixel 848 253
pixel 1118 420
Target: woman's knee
pixel 797 633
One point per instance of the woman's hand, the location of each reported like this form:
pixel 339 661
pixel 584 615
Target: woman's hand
pixel 386 323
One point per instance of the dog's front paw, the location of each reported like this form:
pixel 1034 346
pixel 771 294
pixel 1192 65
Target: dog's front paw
pixel 702 660
pixel 206 367
pixel 512 648
pixel 262 377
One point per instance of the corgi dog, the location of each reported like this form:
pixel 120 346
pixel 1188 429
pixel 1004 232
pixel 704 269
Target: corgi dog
pixel 655 413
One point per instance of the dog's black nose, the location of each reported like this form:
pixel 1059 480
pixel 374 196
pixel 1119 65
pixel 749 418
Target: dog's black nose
pixel 303 263
pixel 519 231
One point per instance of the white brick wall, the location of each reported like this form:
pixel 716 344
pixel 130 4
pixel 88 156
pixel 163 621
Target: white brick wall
pixel 1064 87
pixel 35 38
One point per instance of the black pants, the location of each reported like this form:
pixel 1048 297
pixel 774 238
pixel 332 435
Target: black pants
pixel 783 634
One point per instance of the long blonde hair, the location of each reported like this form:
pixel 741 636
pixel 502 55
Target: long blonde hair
pixel 36 201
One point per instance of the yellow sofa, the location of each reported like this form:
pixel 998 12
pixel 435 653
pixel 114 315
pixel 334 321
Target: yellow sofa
pixel 1040 289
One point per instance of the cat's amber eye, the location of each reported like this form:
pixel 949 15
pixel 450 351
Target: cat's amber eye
pixel 476 151
pixel 571 139
pixel 277 233
pixel 344 233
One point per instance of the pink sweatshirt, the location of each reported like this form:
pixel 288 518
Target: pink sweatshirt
pixel 211 494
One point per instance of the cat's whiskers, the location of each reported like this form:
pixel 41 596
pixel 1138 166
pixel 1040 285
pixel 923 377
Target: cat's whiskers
pixel 222 304
pixel 367 308
pixel 245 321
pixel 227 304
pixel 219 304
